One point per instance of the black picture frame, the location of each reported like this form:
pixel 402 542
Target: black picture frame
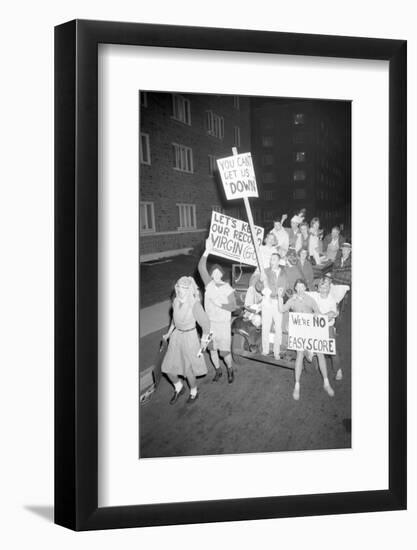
pixel 76 273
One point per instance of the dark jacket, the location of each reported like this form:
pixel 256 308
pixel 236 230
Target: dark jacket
pixel 342 275
pixel 274 282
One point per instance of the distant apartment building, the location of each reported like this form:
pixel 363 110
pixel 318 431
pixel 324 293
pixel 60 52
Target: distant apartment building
pixel 181 136
pixel 301 153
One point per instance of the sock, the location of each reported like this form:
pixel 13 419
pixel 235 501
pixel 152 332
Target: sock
pixel 178 386
pixel 193 391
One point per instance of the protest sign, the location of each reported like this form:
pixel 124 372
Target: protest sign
pixel 231 238
pixel 310 332
pixel 238 176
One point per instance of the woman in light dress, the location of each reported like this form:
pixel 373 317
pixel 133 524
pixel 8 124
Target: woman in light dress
pixel 182 359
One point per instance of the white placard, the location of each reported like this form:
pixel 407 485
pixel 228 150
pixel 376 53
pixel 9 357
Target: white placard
pixel 231 239
pixel 238 176
pixel 310 332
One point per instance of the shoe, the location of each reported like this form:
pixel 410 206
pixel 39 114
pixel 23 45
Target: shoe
pixel 192 399
pixel 339 374
pixel 327 388
pixel 176 395
pixel 230 375
pixel 217 376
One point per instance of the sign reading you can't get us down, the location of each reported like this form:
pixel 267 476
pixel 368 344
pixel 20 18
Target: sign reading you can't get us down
pixel 238 176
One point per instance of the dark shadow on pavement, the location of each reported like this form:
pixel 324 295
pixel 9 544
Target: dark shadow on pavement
pixel 45 512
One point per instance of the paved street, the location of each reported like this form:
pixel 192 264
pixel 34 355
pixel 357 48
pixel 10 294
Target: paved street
pixel 254 414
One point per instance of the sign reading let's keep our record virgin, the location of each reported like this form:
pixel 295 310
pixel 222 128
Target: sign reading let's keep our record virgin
pixel 238 176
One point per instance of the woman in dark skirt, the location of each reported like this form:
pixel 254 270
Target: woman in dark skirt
pixel 182 359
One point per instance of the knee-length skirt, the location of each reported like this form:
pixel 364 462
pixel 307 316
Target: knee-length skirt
pixel 182 354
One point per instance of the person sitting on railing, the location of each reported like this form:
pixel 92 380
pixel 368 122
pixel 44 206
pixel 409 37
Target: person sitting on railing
pixel 342 268
pixel 332 243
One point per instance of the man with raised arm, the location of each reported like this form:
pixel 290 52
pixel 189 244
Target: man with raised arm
pixel 219 302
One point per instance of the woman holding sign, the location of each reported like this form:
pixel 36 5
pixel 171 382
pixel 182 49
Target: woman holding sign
pixel 301 302
pixel 219 302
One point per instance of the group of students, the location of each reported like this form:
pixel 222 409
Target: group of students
pixel 286 260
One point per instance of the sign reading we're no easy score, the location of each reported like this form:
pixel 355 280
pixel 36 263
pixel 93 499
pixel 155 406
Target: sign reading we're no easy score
pixel 238 176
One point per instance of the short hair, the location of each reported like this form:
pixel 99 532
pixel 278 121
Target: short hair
pixel 274 254
pixel 323 280
pixel 270 234
pixel 314 220
pixel 300 281
pixel 218 267
pixel 336 227
pixel 305 224
pixel 302 249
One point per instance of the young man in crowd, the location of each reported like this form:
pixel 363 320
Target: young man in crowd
pixel 269 283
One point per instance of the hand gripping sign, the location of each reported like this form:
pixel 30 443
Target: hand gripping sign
pixel 310 332
pixel 238 176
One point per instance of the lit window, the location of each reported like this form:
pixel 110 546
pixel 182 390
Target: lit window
pixel 300 156
pixel 215 125
pixel 187 216
pixel 181 109
pixel 299 175
pixel 212 165
pixel 267 160
pixel 183 158
pixel 143 99
pixel 147 217
pixel 237 136
pixel 267 141
pixel 236 102
pixel 298 119
pixel 144 149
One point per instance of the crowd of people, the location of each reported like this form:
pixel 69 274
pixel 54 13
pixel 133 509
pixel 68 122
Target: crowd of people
pixel 300 269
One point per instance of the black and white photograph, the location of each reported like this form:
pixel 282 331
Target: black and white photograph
pixel 245 251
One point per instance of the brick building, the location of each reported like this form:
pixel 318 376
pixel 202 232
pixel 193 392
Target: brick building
pixel 181 136
pixel 302 155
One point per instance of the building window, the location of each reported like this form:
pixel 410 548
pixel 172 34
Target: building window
pixel 298 119
pixel 267 141
pixel 269 195
pixel 143 99
pixel 299 194
pixel 236 102
pixel 212 165
pixel 237 136
pixel 147 217
pixel 267 177
pixel 299 175
pixel 267 123
pixel 300 156
pixel 267 160
pixel 144 149
pixel 187 216
pixel 183 158
pixel 181 109
pixel 215 125
pixel 299 137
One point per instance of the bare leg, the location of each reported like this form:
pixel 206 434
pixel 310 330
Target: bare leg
pixel 227 358
pixel 323 369
pixel 178 385
pixel 298 371
pixel 189 373
pixel 214 356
